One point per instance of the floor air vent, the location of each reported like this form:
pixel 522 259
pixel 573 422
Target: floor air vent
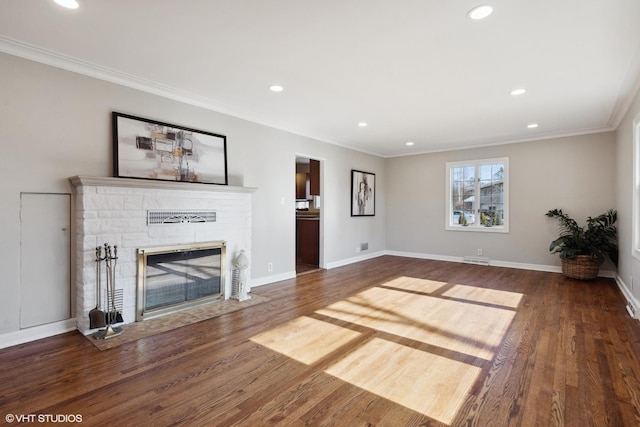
pixel 180 217
pixel 632 310
pixel 475 260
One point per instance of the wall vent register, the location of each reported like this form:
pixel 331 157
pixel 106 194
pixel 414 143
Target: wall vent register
pixel 159 217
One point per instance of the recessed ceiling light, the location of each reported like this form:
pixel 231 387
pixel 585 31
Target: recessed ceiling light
pixel 532 126
pixel 480 12
pixel 410 143
pixel 276 88
pixel 518 91
pixel 69 4
pixel 363 124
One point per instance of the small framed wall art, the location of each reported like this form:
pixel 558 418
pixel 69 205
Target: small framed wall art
pixel 363 193
pixel 148 149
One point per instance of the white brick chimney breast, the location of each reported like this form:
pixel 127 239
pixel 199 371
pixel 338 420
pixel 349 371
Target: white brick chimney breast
pixel 114 211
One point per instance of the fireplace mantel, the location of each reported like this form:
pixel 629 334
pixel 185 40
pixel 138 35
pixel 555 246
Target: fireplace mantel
pixel 78 181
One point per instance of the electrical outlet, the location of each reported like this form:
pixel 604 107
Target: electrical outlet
pixel 270 266
pixel 357 248
pixel 479 252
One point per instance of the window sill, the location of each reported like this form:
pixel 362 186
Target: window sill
pixel 479 229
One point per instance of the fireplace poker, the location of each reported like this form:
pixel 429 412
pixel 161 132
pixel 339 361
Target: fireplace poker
pixel 107 263
pixel 96 315
pixel 115 315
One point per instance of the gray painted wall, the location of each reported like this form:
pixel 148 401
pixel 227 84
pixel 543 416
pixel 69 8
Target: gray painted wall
pixel 56 124
pixel 573 173
pixel 628 265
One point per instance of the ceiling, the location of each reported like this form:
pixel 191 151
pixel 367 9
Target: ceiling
pixel 413 70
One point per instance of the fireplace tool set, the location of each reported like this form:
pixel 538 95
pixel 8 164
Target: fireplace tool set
pixel 97 317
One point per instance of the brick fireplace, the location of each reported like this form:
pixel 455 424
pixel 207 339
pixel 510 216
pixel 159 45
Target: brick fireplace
pixel 117 211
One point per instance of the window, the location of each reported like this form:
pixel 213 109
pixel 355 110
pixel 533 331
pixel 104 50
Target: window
pixel 478 195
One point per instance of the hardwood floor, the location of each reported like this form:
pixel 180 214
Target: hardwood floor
pixel 305 268
pixel 390 341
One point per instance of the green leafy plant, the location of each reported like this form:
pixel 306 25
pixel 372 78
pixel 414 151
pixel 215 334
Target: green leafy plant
pixel 598 239
pixel 483 218
pixel 463 219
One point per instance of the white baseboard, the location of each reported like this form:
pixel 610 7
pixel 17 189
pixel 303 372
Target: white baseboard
pixel 495 263
pixel 266 280
pixel 421 255
pixel 527 266
pixel 627 294
pixel 353 260
pixel 492 262
pixel 37 332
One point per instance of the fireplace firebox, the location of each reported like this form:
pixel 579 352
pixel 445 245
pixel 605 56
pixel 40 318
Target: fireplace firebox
pixel 173 278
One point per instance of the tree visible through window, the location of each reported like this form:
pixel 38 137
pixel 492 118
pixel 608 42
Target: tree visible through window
pixel 477 195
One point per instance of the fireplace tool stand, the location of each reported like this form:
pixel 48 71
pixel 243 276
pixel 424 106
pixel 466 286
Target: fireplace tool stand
pixel 110 258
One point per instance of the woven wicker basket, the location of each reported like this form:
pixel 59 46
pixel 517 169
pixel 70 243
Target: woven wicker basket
pixel 583 267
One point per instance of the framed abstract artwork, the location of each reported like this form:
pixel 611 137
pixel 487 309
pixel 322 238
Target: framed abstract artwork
pixel 148 149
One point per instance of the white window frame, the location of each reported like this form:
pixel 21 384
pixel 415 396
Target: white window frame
pixel 635 248
pixel 477 227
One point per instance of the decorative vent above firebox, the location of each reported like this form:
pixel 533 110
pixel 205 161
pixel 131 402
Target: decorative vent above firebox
pixel 180 217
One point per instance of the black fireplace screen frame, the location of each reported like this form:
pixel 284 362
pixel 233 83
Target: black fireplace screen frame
pixel 177 274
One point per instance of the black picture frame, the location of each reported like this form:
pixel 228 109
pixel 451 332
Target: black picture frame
pixel 363 193
pixel 150 149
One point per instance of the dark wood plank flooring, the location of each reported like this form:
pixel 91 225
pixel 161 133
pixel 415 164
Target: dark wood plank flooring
pixel 305 268
pixel 569 356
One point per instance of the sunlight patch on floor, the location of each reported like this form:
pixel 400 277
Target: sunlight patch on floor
pixel 431 385
pixel 415 285
pixel 454 325
pixel 459 322
pixel 482 295
pixel 305 339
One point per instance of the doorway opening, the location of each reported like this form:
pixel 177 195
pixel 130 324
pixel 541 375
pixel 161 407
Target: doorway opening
pixel 308 215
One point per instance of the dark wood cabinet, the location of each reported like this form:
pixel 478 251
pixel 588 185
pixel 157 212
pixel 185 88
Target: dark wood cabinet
pixel 301 185
pixel 314 177
pixel 308 241
pixel 308 184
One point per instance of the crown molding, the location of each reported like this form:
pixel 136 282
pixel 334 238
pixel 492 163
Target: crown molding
pixel 69 63
pixel 536 138
pixel 75 65
pixel 628 91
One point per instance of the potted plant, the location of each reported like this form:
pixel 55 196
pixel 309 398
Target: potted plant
pixel 583 249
